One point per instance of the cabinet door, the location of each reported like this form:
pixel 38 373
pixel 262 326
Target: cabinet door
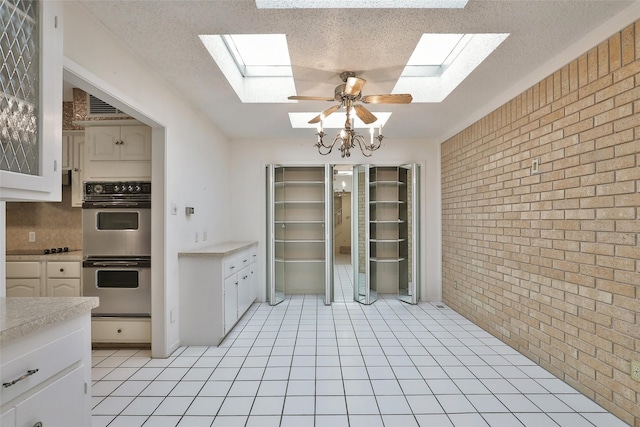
pixel 104 142
pixel 23 287
pixel 8 419
pixel 62 288
pixel 77 173
pixel 59 404
pixel 244 290
pixel 230 302
pixel 67 152
pixel 136 143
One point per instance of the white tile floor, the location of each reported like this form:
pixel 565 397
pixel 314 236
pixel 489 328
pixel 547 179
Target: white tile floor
pixel 302 363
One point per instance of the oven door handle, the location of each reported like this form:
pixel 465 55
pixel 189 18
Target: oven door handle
pixel 116 264
pixel 115 205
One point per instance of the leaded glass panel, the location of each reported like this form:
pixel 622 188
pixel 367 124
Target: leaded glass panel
pixel 19 84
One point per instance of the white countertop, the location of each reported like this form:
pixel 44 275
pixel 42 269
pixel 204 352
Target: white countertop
pixel 24 315
pixel 63 256
pixel 218 250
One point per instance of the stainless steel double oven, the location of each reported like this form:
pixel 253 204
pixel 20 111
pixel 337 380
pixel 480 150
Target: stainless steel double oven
pixel 116 233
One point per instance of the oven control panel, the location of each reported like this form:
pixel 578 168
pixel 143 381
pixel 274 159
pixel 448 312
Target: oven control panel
pixel 123 188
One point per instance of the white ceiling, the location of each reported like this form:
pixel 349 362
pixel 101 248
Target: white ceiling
pixel 375 43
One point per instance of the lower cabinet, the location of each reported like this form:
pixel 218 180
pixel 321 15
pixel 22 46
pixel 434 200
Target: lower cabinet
pixel 55 405
pixel 43 279
pixel 46 376
pixel 218 284
pixel 120 330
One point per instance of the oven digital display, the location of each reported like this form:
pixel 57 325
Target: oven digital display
pixel 106 220
pixel 117 279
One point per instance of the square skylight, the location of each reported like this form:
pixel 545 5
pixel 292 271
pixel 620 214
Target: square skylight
pixel 440 62
pixel 257 66
pixel 361 4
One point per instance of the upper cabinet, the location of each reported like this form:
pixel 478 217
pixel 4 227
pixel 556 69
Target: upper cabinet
pixel 30 82
pixel 117 152
pixel 119 143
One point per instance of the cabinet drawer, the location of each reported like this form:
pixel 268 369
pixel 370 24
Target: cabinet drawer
pixel 244 259
pixel 120 330
pixel 63 269
pixel 230 266
pixel 48 360
pixel 18 270
pixel 253 254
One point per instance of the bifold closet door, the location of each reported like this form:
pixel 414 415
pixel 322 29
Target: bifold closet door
pixel 299 231
pixel 385 228
pixel 364 290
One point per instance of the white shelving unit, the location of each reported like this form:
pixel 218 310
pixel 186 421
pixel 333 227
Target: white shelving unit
pixel 299 230
pixel 385 234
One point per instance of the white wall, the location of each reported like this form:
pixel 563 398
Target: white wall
pixel 247 181
pixel 190 156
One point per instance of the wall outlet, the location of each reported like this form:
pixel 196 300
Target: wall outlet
pixel 635 370
pixel 173 209
pixel 196 237
pixel 172 315
pixel 535 166
pixel 204 236
pixel 455 284
pixel 32 236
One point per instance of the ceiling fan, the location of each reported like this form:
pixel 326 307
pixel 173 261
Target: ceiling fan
pixel 348 94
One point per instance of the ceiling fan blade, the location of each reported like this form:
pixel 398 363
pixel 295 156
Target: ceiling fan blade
pixel 364 114
pixel 310 98
pixel 401 98
pixel 325 113
pixel 354 85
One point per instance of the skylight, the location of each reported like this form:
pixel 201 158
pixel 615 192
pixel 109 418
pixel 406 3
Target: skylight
pixel 257 66
pixel 260 55
pixel 440 62
pixel 361 4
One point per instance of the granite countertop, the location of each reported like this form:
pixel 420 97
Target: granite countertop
pixel 39 256
pixel 24 315
pixel 218 250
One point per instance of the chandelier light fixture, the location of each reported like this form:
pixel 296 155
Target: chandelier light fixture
pixel 348 138
pixel 349 96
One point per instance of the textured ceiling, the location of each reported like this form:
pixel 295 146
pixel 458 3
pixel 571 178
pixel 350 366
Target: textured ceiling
pixel 376 43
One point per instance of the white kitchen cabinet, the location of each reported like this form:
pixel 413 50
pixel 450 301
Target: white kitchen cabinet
pixel 120 330
pixel 216 289
pixel 117 153
pixel 67 151
pixel 109 143
pixel 8 419
pixel 72 160
pixel 46 370
pixel 23 279
pixel 43 278
pixel 42 182
pixel 55 405
pixel 63 279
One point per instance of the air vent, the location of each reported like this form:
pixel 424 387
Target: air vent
pixel 99 108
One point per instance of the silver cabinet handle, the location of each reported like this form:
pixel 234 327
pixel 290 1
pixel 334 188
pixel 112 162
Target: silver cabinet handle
pixel 28 374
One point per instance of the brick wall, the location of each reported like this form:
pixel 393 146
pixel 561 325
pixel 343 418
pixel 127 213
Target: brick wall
pixel 550 262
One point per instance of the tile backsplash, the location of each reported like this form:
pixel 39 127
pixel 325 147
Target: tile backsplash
pixel 56 224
